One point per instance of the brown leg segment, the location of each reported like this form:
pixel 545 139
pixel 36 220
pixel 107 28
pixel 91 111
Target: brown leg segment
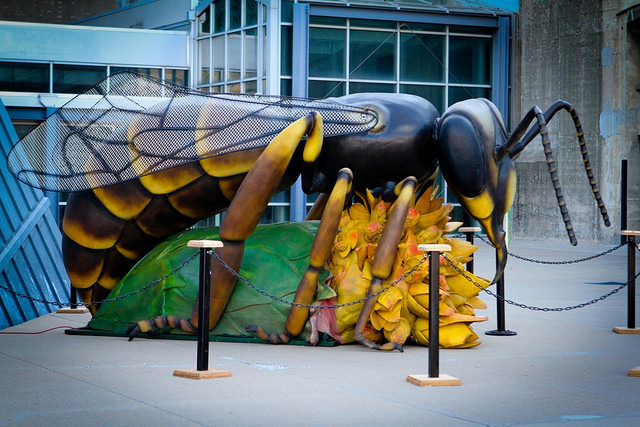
pixel 384 258
pixel 316 210
pixel 320 252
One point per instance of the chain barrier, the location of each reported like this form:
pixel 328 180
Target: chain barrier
pixel 533 307
pixel 242 279
pixel 361 300
pixel 312 306
pixel 537 261
pixel 107 300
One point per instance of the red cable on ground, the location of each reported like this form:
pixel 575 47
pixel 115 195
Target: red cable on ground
pixel 35 333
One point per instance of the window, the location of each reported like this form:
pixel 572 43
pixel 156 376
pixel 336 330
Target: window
pixel 69 78
pixel 23 127
pixel 176 76
pixel 422 67
pixel 205 61
pixel 278 209
pixel 372 55
pixel 286 47
pixel 73 78
pixel 24 77
pixel 441 63
pixel 389 56
pixel 150 72
pixel 231 41
pixel 327 52
pixel 172 75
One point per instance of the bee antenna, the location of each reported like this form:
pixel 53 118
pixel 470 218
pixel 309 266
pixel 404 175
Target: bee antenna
pixel 517 143
pixel 553 171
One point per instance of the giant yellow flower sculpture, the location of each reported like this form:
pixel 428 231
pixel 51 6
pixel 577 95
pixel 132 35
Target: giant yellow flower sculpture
pixel 402 311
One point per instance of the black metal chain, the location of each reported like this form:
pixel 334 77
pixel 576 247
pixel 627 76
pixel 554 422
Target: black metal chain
pixel 107 300
pixel 534 308
pixel 537 261
pixel 312 306
pixel 351 303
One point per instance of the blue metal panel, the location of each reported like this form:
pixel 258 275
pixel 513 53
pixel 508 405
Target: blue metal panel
pixel 300 76
pixel 500 67
pixel 25 41
pixel 21 233
pixel 27 113
pixel 427 17
pixel 30 255
pixel 300 70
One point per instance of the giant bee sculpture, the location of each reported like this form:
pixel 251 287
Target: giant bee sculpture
pixel 145 159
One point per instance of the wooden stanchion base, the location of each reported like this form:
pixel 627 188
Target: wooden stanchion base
pixel 625 330
pixel 635 372
pixel 194 374
pixel 79 310
pixel 425 380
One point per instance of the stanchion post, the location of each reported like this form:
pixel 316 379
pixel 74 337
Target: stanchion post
pixel 434 314
pixel 434 377
pixel 631 236
pixel 500 316
pixel 202 362
pixel 623 199
pixel 469 233
pixel 202 370
pixel 73 297
pixel 73 308
pixel 631 272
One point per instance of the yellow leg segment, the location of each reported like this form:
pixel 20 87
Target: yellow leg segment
pixel 383 259
pixel 320 252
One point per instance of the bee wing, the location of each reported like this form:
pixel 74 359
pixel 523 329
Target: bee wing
pixel 130 125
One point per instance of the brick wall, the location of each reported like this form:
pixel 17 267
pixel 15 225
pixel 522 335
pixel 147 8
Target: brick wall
pixel 54 11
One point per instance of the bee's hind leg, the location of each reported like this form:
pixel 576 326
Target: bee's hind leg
pixel 244 213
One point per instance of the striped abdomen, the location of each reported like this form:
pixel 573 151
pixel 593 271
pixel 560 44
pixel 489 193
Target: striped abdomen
pixel 107 230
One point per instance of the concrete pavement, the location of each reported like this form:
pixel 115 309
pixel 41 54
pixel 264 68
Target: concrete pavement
pixel 562 368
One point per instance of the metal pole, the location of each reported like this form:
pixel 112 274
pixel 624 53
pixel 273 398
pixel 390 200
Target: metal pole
pixel 434 311
pixel 500 314
pixel 631 272
pixel 73 298
pixel 623 200
pixel 470 233
pixel 501 330
pixel 202 363
pixel 434 377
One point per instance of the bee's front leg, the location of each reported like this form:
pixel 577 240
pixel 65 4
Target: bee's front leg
pixel 384 257
pixel 250 202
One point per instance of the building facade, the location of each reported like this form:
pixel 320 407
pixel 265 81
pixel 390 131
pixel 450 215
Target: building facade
pixel 444 52
pixel 586 53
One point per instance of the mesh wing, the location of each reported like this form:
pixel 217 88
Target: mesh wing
pixel 131 125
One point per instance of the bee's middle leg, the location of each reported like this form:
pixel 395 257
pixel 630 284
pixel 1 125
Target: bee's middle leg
pixel 320 252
